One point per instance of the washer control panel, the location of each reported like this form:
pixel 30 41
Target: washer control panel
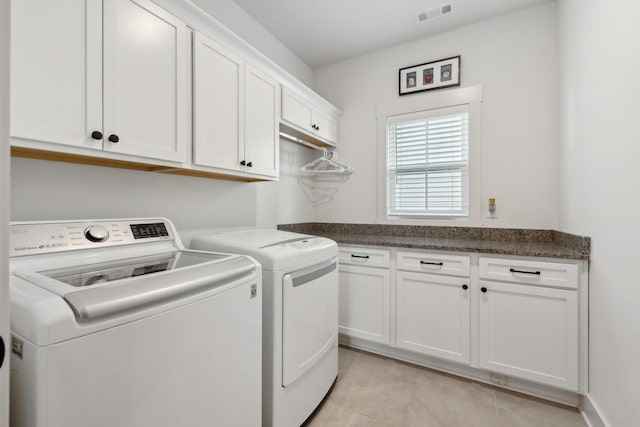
pixel 40 238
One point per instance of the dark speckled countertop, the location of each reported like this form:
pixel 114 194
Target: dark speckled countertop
pixel 502 241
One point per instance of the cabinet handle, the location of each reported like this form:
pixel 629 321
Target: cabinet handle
pixel 465 287
pixel 431 263
pixel 2 351
pixel 483 289
pixel 250 164
pixel 360 256
pixel 114 138
pixel 513 270
pixel 243 163
pixel 96 134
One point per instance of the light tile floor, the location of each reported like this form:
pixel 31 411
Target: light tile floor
pixel 374 391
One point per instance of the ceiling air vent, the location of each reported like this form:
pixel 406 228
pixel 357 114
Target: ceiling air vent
pixel 435 13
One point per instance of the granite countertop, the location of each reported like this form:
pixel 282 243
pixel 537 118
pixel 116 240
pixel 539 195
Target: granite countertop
pixel 502 241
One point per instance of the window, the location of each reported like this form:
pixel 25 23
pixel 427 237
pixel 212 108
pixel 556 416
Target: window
pixel 428 164
pixel 429 155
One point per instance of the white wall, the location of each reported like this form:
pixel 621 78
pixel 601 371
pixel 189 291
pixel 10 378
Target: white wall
pixel 599 175
pixel 247 28
pixel 43 190
pixel 4 207
pixel 285 201
pixel 514 58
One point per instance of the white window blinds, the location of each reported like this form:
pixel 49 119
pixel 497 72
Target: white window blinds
pixel 427 164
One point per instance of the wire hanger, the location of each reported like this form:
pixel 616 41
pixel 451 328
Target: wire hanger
pixel 328 164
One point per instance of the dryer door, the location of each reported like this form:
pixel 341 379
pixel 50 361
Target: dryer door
pixel 309 318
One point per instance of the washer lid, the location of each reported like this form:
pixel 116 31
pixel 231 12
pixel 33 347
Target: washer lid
pixel 107 288
pixel 274 249
pixel 259 238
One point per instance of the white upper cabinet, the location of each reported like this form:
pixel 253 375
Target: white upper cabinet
pixel 218 107
pixel 303 115
pixel 145 86
pixel 326 126
pixel 122 83
pixel 67 78
pixel 262 110
pixel 236 111
pixel 56 71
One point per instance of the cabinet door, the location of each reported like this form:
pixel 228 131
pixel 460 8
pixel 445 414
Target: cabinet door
pixel 530 332
pixel 56 71
pixel 145 80
pixel 327 126
pixel 218 106
pixel 365 303
pixel 433 315
pixel 261 133
pixel 297 110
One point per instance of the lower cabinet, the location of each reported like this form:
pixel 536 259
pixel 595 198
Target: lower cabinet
pixel 529 332
pixel 432 314
pixel 365 295
pixel 519 317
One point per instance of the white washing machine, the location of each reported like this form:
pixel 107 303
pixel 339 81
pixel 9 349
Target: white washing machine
pixel 300 317
pixel 114 323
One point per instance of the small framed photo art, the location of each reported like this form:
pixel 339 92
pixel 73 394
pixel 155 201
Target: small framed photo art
pixel 432 75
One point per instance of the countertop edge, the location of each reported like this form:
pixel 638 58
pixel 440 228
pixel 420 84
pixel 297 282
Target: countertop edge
pixel 540 249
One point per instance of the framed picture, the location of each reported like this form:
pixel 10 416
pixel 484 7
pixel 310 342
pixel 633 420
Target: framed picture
pixel 432 75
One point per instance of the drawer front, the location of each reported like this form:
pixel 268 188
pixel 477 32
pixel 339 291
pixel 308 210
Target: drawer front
pixel 364 256
pixel 426 262
pixel 530 272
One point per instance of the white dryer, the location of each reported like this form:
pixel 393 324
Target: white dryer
pixel 300 317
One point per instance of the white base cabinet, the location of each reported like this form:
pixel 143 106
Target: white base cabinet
pixel 530 332
pixel 519 317
pixel 364 296
pixel 432 315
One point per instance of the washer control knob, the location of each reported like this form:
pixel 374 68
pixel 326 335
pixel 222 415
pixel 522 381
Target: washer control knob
pixel 96 233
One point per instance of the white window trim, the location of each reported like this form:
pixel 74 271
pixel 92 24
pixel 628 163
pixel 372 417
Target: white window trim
pixel 470 96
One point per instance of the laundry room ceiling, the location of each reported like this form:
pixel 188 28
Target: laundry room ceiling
pixel 322 32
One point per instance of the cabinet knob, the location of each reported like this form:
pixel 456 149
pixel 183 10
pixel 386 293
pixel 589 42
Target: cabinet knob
pixel 250 164
pixel 465 287
pixel 96 134
pixel 114 138
pixel 483 289
pixel 243 163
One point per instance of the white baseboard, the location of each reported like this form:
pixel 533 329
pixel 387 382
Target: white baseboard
pixel 591 414
pixel 553 394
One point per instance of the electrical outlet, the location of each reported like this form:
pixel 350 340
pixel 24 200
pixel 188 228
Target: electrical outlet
pixel 492 209
pixel 499 379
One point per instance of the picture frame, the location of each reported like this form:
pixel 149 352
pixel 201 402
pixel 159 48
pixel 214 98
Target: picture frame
pixel 432 75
